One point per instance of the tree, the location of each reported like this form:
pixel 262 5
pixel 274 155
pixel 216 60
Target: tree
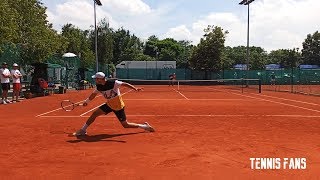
pixel 311 49
pixel 287 58
pixel 237 55
pixel 78 43
pixel 35 35
pixel 169 50
pixel 207 55
pixel 233 56
pixel 127 47
pixel 9 24
pixel 105 42
pixel 73 37
pixel 258 58
pixel 227 58
pixel 151 48
pixel 183 58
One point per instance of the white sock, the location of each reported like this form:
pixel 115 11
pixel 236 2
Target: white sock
pixel 143 126
pixel 84 127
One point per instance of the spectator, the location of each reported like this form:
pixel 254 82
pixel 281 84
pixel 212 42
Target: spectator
pixel 5 82
pixel 43 84
pixel 51 84
pixel 16 75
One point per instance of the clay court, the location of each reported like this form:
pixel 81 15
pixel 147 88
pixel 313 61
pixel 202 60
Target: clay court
pixel 201 133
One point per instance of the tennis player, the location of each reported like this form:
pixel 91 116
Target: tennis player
pixel 273 79
pixel 110 90
pixel 172 78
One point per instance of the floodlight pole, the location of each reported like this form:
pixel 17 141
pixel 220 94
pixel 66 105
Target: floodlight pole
pixel 95 32
pixel 248 34
pixel 247 2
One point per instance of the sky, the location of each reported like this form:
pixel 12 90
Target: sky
pixel 274 24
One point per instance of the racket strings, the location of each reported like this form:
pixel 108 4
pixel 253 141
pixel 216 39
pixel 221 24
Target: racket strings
pixel 67 105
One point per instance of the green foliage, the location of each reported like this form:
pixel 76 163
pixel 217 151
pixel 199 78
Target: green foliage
pixel 311 49
pixel 127 47
pixel 27 37
pixel 105 42
pixel 287 58
pixel 207 55
pixel 183 57
pixel 168 50
pixel 33 32
pixel 8 23
pixel 10 54
pixel 258 58
pixel 151 46
pixel 143 57
pixel 233 55
pixel 77 42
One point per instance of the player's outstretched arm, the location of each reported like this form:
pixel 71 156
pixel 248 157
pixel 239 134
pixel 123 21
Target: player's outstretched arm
pixel 90 98
pixel 131 86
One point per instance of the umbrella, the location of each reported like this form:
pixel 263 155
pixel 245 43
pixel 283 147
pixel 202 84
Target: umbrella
pixel 67 55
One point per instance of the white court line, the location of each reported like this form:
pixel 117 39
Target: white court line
pixel 181 94
pixel 81 115
pixel 48 112
pixel 279 103
pixel 242 99
pixel 197 115
pixel 288 99
pixel 55 110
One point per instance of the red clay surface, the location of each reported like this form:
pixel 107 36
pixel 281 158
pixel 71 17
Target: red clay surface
pixel 199 135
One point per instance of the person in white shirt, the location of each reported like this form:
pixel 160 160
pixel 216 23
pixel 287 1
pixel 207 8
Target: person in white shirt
pixel 16 75
pixel 5 82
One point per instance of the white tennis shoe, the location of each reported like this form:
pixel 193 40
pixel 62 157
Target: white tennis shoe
pixel 80 132
pixel 3 102
pixel 149 128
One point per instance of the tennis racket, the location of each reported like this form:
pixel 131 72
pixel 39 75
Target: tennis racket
pixel 68 105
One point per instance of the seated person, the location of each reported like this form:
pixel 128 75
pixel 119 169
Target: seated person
pixel 43 84
pixel 51 84
pixel 83 84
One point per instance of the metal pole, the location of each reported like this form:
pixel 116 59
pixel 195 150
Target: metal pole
pixel 247 2
pixel 248 43
pixel 96 37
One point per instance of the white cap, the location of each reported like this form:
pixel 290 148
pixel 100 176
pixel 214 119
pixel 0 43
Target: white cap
pixel 99 75
pixel 15 64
